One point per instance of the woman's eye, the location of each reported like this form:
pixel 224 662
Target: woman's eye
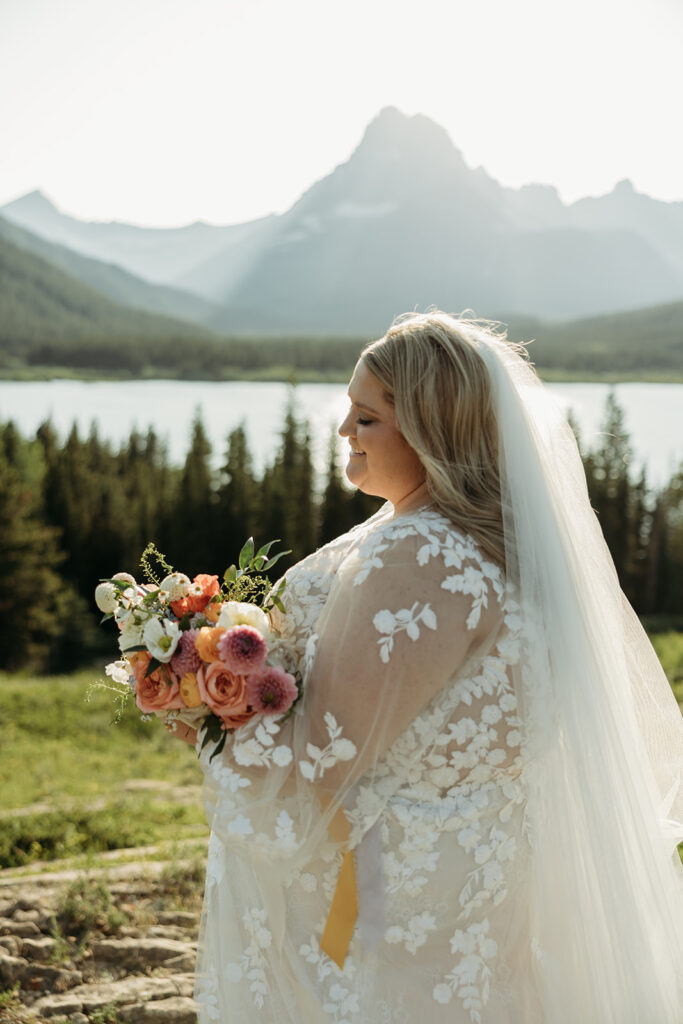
pixel 363 423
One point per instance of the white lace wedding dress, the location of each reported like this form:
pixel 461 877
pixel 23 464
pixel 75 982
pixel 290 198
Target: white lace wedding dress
pixel 406 636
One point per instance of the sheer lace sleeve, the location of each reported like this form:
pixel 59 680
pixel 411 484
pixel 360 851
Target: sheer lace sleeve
pixel 412 611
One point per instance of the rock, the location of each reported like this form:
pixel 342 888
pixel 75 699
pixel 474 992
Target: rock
pixel 27 915
pixel 184 962
pixel 89 998
pixel 78 1018
pixel 11 943
pixel 179 917
pixel 176 1010
pixel 137 954
pixel 166 931
pixel 38 949
pixel 25 903
pixel 12 969
pixel 24 929
pixel 51 979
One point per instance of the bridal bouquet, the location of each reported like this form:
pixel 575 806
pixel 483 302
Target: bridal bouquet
pixel 192 652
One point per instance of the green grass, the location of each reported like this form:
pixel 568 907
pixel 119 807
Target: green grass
pixel 57 746
pixel 669 648
pixel 64 752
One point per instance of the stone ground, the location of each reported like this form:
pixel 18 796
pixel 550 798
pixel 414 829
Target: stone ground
pixel 131 964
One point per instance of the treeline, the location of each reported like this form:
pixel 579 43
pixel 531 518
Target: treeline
pixel 72 512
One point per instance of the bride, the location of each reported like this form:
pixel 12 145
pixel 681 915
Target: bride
pixel 473 818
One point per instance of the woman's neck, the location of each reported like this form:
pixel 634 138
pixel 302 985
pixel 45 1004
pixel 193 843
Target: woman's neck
pixel 410 502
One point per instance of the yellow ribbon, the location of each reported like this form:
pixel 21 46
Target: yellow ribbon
pixel 341 919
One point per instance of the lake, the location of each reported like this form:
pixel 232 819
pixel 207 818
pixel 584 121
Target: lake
pixel 653 413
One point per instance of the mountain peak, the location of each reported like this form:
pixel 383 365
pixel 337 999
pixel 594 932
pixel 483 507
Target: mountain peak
pixel 35 201
pixel 401 135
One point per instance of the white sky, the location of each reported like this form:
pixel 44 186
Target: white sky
pixel 162 112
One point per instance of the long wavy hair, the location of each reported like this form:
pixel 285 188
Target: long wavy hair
pixel 436 379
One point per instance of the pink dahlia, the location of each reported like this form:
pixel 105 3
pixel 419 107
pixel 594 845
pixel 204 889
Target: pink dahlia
pixel 243 649
pixel 186 659
pixel 272 691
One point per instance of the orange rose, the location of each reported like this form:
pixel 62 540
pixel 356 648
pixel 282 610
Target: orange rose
pixel 225 693
pixel 206 642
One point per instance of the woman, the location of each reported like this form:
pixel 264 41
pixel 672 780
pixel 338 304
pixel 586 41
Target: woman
pixel 473 816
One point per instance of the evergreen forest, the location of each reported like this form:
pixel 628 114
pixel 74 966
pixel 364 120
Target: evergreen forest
pixel 76 510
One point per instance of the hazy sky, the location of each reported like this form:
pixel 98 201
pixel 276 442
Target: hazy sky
pixel 161 112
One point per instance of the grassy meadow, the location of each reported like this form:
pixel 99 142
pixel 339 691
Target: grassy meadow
pixel 74 784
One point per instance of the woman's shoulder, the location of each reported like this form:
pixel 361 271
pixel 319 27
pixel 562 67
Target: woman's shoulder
pixel 422 536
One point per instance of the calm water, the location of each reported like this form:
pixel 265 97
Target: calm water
pixel 654 413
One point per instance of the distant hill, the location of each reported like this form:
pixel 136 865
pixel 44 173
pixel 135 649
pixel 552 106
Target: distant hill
pixel 404 223
pixel 644 341
pixel 161 255
pixel 111 281
pixel 42 305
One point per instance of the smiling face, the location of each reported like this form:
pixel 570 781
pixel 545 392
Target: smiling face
pixel 381 461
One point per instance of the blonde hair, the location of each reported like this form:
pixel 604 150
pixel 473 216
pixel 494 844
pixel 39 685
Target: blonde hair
pixel 436 379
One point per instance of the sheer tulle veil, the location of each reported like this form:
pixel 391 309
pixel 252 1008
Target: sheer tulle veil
pixel 604 735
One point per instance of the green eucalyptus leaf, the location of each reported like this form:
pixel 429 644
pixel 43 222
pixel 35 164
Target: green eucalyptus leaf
pixel 131 650
pixel 152 667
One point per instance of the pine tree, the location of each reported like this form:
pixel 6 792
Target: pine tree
pixel 237 501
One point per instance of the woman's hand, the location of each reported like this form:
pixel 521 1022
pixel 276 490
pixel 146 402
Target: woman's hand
pixel 183 732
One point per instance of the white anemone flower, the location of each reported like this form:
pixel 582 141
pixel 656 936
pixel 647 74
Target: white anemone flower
pixel 105 597
pixel 237 613
pixel 161 638
pixel 175 585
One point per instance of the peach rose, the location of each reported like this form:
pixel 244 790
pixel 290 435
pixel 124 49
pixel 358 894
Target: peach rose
pixel 225 693
pixel 206 642
pixel 204 587
pixel 153 692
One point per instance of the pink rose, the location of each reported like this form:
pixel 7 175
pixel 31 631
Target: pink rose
pixel 225 693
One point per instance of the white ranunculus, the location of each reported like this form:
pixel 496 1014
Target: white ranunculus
pixel 237 613
pixel 175 586
pixel 161 638
pixel 105 598
pixel 126 577
pixel 117 671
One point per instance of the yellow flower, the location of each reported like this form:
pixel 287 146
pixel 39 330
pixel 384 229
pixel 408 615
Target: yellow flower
pixel 189 691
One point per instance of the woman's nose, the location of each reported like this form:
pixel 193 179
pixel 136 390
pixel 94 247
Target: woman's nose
pixel 344 427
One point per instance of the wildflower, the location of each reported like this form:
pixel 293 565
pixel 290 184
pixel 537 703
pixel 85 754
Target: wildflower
pixel 242 649
pixel 272 691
